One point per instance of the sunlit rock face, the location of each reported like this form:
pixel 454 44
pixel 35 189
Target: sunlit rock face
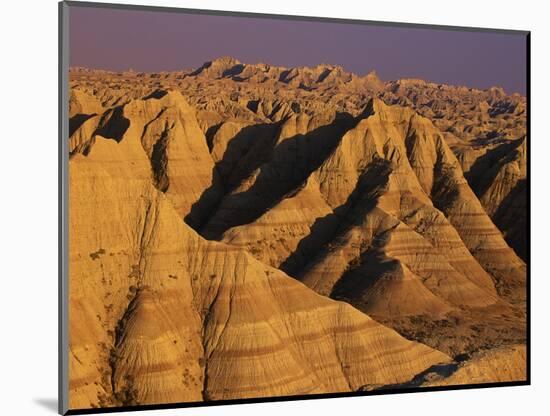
pixel 243 231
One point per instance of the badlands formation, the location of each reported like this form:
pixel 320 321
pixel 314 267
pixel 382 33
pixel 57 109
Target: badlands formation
pixel 247 231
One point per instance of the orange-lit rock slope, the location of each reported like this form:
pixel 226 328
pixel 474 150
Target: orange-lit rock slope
pixel 249 231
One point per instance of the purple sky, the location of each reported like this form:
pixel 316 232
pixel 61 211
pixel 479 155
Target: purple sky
pixel 159 41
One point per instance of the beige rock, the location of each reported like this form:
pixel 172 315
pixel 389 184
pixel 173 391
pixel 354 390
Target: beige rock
pixel 494 366
pixel 296 172
pixel 157 138
pixel 82 103
pixel 160 315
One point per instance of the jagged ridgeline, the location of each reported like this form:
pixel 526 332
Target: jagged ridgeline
pixel 247 231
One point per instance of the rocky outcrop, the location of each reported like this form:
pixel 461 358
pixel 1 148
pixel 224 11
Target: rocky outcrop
pixel 500 365
pixel 276 165
pixel 503 193
pixel 156 138
pixel 385 216
pixel 247 230
pixel 160 315
pixel 81 103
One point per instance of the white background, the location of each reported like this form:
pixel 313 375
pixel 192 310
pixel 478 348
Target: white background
pixel 28 205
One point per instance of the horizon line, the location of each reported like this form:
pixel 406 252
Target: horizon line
pixel 372 71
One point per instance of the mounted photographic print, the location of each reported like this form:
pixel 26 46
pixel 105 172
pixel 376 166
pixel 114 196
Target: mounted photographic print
pixel 263 208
